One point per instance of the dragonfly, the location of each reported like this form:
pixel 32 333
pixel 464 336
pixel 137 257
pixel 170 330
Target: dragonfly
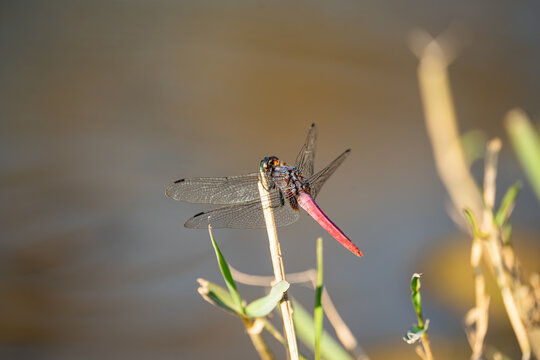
pixel 290 188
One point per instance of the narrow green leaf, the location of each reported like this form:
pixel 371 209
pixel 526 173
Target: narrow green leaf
pixel 265 305
pixel 474 224
pixel 318 312
pixel 415 282
pixel 217 296
pixel 417 298
pixel 526 142
pixel 226 272
pixel 507 204
pixel 303 323
pixel 507 234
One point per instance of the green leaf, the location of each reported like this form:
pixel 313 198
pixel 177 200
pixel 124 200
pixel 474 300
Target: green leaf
pixel 415 282
pixel 226 272
pixel 218 296
pixel 474 224
pixel 526 142
pixel 507 234
pixel 265 305
pixel 417 298
pixel 507 204
pixel 318 312
pixel 303 323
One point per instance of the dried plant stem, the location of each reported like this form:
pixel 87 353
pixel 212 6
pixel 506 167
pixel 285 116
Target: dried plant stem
pixel 255 335
pixel 443 130
pixel 424 352
pixel 273 331
pixel 262 280
pixel 494 248
pixel 427 346
pixel 343 332
pixel 455 174
pixel 279 269
pixel 277 335
pixel 508 299
pixel 477 318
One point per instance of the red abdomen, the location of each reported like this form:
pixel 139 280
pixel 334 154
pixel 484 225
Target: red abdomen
pixel 307 203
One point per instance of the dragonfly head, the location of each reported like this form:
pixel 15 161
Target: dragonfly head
pixel 269 163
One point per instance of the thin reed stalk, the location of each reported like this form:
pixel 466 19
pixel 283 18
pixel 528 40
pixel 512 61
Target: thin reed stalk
pixel 279 269
pixel 494 249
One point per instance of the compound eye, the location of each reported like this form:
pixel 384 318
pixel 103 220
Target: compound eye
pixel 264 164
pixel 269 162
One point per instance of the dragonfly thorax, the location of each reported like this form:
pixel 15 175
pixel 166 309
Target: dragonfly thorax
pixel 287 178
pixel 290 181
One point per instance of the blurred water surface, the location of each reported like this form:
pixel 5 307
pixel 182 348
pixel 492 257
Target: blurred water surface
pixel 102 104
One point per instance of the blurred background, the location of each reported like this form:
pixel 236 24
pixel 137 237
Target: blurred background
pixel 104 103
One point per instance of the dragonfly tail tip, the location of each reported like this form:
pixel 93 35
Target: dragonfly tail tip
pixel 356 252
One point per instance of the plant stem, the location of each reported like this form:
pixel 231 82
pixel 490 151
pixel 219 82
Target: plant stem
pixel 279 269
pixel 277 335
pixel 318 315
pixel 273 331
pixel 427 346
pixel 494 248
pixel 257 340
pixel 477 318
pixel 441 124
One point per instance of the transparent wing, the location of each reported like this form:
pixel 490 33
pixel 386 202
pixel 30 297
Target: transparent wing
pixel 304 160
pixel 246 215
pixel 318 180
pixel 218 190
